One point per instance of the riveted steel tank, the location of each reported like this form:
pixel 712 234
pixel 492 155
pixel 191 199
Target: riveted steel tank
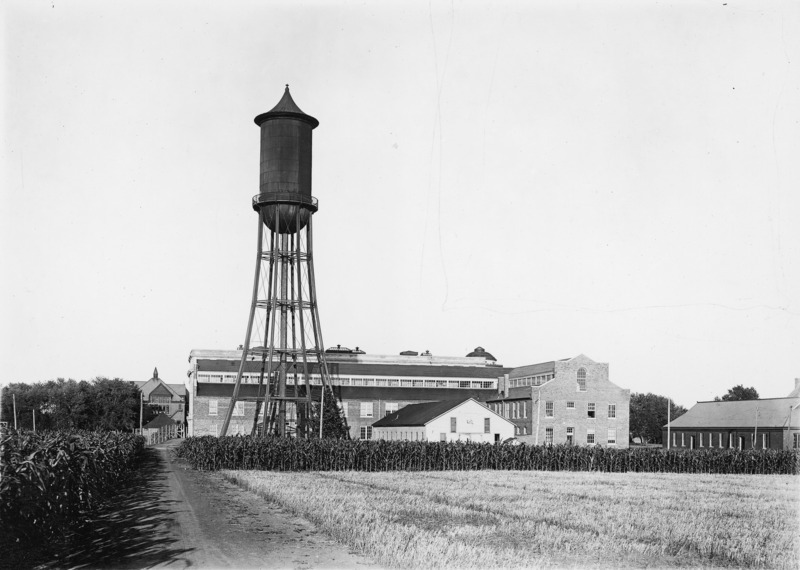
pixel 285 182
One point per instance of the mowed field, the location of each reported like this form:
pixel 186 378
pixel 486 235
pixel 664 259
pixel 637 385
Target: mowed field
pixel 502 519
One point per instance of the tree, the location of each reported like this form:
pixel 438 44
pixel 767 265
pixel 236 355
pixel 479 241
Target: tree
pixel 101 404
pixel 648 414
pixel 738 392
pixel 116 405
pixel 333 425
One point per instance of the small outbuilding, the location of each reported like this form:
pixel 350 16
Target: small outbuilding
pixel 449 420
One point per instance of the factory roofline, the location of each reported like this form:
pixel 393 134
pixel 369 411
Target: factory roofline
pixel 356 358
pixel 360 368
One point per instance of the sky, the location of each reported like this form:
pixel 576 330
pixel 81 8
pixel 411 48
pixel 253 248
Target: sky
pixel 542 179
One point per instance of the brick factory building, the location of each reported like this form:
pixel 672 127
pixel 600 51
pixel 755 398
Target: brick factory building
pixel 367 386
pixel 769 423
pixel 567 401
pixel 370 386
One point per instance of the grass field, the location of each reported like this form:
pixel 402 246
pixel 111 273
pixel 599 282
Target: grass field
pixel 491 519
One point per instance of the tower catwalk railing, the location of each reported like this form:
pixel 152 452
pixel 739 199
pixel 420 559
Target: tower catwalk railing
pixel 284 318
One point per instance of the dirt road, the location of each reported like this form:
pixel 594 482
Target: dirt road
pixel 170 516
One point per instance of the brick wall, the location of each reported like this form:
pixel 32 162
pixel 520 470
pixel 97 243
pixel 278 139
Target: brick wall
pixel 563 388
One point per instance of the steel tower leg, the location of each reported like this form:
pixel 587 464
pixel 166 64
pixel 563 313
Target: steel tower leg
pixel 246 346
pixel 291 337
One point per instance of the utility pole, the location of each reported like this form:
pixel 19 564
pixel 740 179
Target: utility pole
pixel 669 419
pixel 322 410
pixel 755 432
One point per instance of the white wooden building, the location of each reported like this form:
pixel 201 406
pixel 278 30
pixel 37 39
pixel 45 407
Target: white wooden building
pixel 449 420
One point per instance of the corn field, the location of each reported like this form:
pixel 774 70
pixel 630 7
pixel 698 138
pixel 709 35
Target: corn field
pixel 48 480
pixel 275 454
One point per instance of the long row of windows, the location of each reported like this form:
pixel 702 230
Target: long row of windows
pixel 611 436
pixel 538 380
pixel 519 409
pixel 719 439
pixel 316 380
pixel 530 380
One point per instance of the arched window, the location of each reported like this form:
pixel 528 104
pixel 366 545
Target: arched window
pixel 581 380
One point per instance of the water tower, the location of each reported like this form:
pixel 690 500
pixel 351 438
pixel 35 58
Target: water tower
pixel 283 312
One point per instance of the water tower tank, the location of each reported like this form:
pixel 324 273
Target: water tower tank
pixel 285 181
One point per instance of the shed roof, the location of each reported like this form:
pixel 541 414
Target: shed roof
pixel 766 413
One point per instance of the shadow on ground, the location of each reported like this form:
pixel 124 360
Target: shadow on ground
pixel 130 530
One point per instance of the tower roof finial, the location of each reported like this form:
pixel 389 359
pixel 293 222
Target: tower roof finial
pixel 286 108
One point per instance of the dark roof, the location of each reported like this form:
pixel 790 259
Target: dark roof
pixel 160 420
pixel 286 108
pixel 772 412
pixel 418 414
pixel 479 351
pixel 365 369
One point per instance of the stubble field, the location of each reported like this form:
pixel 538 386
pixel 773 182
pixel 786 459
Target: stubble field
pixel 502 519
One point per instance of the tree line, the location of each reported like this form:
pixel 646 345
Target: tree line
pixel 99 404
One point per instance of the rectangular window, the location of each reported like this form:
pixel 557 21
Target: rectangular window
pixel 581 384
pixel 700 439
pixel 487 426
pixel 796 440
pixel 366 432
pixel 612 436
pixel 548 409
pixel 212 407
pixel 590 410
pixel 570 405
pixel 524 431
pixel 612 411
pixel 391 407
pixel 730 440
pixel 590 436
pixel 238 409
pixel 548 436
pixel 764 441
pixel 721 440
pixel 683 439
pixel 453 425
pixel 525 409
pixel 366 410
pixel 570 435
pixel 674 435
pixel 442 437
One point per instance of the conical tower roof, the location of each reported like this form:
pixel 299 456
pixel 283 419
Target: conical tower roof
pixel 286 108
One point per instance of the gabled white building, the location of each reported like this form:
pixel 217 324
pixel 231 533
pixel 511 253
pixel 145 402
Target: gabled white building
pixel 450 420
